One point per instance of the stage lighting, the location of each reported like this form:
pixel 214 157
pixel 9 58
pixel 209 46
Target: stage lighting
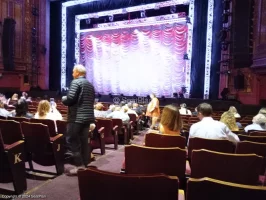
pixel 172 9
pixel 111 18
pixel 143 14
pixel 88 21
pixel 185 56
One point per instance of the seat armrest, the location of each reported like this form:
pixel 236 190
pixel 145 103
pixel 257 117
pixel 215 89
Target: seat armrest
pixel 55 138
pixel 115 128
pixel 11 146
pixel 101 132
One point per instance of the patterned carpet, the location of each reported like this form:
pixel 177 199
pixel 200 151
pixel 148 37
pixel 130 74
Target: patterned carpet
pixel 65 187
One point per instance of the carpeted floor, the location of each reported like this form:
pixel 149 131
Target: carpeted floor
pixel 65 187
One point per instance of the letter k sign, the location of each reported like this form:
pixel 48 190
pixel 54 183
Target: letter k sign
pixel 17 158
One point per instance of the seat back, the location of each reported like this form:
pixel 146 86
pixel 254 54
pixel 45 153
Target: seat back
pixel 36 136
pixel 118 123
pixel 224 146
pixel 11 131
pixel 149 160
pixel 61 126
pixel 237 168
pixel 155 187
pixel 260 139
pixel 163 140
pixel 247 147
pixel 2 117
pixel 132 117
pixel 49 123
pixel 257 133
pixel 212 189
pixel 19 119
pixel 108 126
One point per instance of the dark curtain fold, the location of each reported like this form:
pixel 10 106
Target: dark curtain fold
pixel 216 49
pixel 199 49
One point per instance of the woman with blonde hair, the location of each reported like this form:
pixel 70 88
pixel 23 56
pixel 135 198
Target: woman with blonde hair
pixel 233 110
pixel 44 110
pixel 229 120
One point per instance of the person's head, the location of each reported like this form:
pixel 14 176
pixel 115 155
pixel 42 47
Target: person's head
pixel 78 70
pixel 263 111
pixel 232 109
pixel 14 97
pixel 112 107
pixel 99 106
pixel 171 118
pixel 229 120
pixel 259 119
pixel 21 108
pixel 43 108
pixel 204 110
pixel 117 108
pixel 183 105
pixel 152 95
pixel 24 94
pixel 130 105
pixel 2 105
pixel 125 109
pixel 135 105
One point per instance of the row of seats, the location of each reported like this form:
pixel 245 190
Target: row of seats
pixel 160 186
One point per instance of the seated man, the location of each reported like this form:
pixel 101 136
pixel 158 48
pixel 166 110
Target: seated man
pixel 98 111
pixel 119 113
pixel 209 128
pixel 259 122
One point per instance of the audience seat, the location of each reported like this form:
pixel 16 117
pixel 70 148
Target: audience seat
pixel 97 139
pixel 164 141
pixel 19 119
pixel 260 139
pixel 96 184
pixel 11 131
pixel 134 121
pixel 12 164
pixel 50 123
pixel 61 126
pixel 212 189
pixel 42 148
pixel 237 168
pixel 122 129
pixel 150 160
pixel 224 146
pixel 257 133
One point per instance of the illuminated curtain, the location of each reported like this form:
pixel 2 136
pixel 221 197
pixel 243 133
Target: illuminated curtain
pixel 136 60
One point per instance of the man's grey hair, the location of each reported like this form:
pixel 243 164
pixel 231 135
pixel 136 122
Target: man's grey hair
pixel 80 68
pixel 259 119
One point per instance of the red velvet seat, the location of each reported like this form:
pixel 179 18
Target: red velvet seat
pixel 224 146
pixel 12 165
pixel 50 123
pixel 97 141
pixel 11 131
pixel 19 119
pixel 212 189
pixel 96 184
pixel 122 129
pixel 43 148
pixel 134 122
pixel 257 133
pixel 61 126
pixel 164 141
pixel 259 139
pixel 149 160
pixel 237 168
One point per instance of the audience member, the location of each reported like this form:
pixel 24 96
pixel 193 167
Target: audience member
pixel 208 127
pixel 44 111
pixel 153 110
pixel 3 111
pixel 229 120
pixel 263 111
pixel 21 109
pixel 98 111
pixel 259 122
pixel 13 100
pixel 233 110
pixel 171 122
pixel 183 110
pixel 119 114
pixel 129 110
pixel 137 109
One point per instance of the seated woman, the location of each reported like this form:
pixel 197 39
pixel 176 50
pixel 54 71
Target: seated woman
pixel 170 122
pixel 229 120
pixel 259 122
pixel 44 111
pixel 13 100
pixel 21 109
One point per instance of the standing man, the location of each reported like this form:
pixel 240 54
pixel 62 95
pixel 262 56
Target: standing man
pixel 153 110
pixel 80 100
